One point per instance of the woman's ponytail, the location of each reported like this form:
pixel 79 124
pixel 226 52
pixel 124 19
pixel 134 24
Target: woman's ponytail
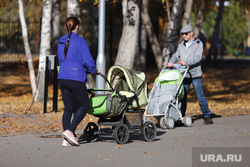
pixel 70 25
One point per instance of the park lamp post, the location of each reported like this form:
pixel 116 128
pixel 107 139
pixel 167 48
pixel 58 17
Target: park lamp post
pixel 101 60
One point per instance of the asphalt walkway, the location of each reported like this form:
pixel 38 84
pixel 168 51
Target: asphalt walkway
pixel 171 148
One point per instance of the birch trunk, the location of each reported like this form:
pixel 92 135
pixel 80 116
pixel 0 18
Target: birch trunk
pixel 151 34
pixel 213 50
pixel 56 15
pixel 45 48
pixel 142 48
pixel 173 31
pixel 27 47
pixel 94 36
pixel 73 8
pixel 187 14
pixel 129 40
pixel 200 18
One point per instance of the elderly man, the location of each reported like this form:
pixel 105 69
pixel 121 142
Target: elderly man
pixel 189 52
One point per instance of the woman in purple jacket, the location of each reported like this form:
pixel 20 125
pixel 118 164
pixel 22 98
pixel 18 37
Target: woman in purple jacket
pixel 74 57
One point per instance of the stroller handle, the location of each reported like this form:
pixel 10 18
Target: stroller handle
pixel 176 66
pixel 105 78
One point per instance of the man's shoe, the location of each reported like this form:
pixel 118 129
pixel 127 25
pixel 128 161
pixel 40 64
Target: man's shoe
pixel 208 121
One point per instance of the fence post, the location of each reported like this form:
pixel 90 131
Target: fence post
pixel 46 85
pixel 50 64
pixel 55 86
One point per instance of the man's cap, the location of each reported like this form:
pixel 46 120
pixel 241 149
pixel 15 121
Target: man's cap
pixel 186 28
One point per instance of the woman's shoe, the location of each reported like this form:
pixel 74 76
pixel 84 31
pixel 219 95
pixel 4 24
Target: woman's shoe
pixel 70 137
pixel 65 143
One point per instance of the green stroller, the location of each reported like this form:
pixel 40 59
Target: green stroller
pixel 126 92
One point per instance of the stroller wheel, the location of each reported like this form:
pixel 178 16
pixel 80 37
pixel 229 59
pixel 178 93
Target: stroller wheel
pixel 89 132
pixel 162 123
pixel 149 131
pixel 187 121
pixel 170 122
pixel 121 133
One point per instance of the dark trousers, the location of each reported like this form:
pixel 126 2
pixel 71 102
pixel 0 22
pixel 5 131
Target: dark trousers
pixel 76 100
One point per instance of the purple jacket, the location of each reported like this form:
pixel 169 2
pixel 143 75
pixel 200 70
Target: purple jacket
pixel 77 60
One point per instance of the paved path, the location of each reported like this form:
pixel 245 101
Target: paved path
pixel 172 148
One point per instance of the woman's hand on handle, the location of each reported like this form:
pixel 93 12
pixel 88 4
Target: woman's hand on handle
pixel 96 72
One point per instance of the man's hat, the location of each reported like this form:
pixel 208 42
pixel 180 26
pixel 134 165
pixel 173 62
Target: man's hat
pixel 186 28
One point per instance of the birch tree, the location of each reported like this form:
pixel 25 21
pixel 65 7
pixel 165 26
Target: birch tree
pixel 200 18
pixel 151 34
pixel 94 36
pixel 73 8
pixel 45 48
pixel 56 15
pixel 27 47
pixel 173 31
pixel 215 39
pixel 187 13
pixel 129 40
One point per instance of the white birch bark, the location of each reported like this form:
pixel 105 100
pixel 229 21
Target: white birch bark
pixel 151 35
pixel 56 15
pixel 129 40
pixel 200 18
pixel 45 48
pixel 187 14
pixel 173 31
pixel 27 47
pixel 73 8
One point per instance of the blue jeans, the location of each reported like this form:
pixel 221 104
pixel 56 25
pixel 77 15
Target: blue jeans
pixel 197 84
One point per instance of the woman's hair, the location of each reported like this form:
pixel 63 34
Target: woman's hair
pixel 70 25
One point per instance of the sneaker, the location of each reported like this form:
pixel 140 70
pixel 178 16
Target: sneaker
pixel 208 121
pixel 65 143
pixel 70 137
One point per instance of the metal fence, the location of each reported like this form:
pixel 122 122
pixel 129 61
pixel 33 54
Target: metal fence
pixel 11 41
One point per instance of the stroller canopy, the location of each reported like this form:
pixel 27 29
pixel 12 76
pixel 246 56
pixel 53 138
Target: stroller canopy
pixel 122 79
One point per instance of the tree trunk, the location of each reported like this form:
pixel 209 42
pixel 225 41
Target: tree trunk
pixel 173 31
pixel 142 48
pixel 151 34
pixel 94 36
pixel 168 10
pixel 73 8
pixel 129 39
pixel 187 13
pixel 27 48
pixel 45 48
pixel 94 44
pixel 200 18
pixel 56 15
pixel 215 39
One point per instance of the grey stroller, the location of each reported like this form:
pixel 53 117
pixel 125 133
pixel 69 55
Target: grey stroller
pixel 164 98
